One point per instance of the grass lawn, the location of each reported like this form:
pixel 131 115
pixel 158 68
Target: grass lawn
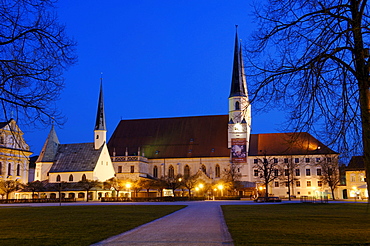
pixel 73 225
pixel 299 224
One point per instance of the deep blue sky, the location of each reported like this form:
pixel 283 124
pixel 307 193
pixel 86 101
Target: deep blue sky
pixel 160 58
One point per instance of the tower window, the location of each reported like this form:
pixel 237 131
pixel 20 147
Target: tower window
pixel 97 136
pixel 237 106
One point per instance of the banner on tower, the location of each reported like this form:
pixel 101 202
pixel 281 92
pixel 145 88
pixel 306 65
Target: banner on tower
pixel 238 150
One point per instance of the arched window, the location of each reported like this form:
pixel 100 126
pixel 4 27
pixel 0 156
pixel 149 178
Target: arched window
pixel 58 178
pixel 237 106
pixel 155 172
pixel 204 169
pixel 18 170
pixel 171 172
pixel 186 171
pixel 70 177
pixel 83 177
pixel 217 171
pixel 9 169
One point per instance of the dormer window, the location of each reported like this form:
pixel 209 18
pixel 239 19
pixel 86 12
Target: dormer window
pixel 237 106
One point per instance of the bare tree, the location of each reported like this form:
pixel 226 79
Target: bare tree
pixel 266 168
pixel 35 186
pixel 289 174
pixel 9 186
pixel 312 57
pixel 232 176
pixel 330 174
pixel 190 182
pixel 34 53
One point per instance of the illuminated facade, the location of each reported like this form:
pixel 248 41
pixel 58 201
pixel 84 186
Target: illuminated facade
pixel 356 178
pixel 14 153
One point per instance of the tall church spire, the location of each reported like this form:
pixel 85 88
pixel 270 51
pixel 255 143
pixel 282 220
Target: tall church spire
pixel 238 83
pixel 100 130
pixel 239 105
pixel 100 116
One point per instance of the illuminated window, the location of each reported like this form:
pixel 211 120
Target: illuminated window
pixel 70 178
pixel 171 172
pixel 58 178
pixel 18 170
pixel 187 171
pixel 217 170
pixel 318 172
pixel 297 172
pixel 308 172
pixel 308 183
pixel 298 183
pixel 319 183
pixel 276 184
pixel 155 172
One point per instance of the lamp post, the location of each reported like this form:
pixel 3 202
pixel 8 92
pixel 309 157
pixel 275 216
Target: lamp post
pixel 221 187
pixel 128 186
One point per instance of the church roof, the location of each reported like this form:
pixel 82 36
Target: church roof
pixel 201 136
pixel 75 158
pixel 50 147
pixel 356 164
pixel 100 116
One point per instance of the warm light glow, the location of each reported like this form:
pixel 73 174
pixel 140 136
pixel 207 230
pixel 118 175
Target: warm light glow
pixel 201 186
pixel 220 187
pixel 354 188
pixel 196 188
pixel 180 179
pixel 128 185
pixel 215 189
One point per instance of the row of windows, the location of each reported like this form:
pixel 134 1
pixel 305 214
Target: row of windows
pixel 132 169
pixel 286 160
pixel 70 178
pixel 9 173
pixel 171 171
pixel 297 172
pixel 298 183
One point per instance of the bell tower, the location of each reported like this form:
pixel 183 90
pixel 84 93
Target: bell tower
pixel 100 131
pixel 239 127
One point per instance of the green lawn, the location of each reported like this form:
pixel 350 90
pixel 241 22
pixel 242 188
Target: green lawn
pixel 73 225
pixel 299 224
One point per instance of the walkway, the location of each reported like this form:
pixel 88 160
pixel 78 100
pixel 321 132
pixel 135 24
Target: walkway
pixel 200 223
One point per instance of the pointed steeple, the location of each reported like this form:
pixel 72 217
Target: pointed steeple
pixel 100 116
pixel 50 147
pixel 238 83
pixel 100 131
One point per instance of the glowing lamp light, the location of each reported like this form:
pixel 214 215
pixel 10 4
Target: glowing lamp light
pixel 201 186
pixel 220 187
pixel 128 185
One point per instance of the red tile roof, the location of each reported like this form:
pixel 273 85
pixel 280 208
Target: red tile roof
pixel 201 136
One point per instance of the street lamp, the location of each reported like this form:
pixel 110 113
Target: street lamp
pixel 221 187
pixel 128 186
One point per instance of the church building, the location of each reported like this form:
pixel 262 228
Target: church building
pixel 80 161
pixel 219 144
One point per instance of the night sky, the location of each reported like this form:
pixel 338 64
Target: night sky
pixel 158 58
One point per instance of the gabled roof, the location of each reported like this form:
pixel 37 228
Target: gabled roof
pixel 50 147
pixel 356 164
pixel 301 143
pixel 76 158
pixel 201 136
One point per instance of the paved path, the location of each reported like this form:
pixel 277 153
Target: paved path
pixel 200 223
